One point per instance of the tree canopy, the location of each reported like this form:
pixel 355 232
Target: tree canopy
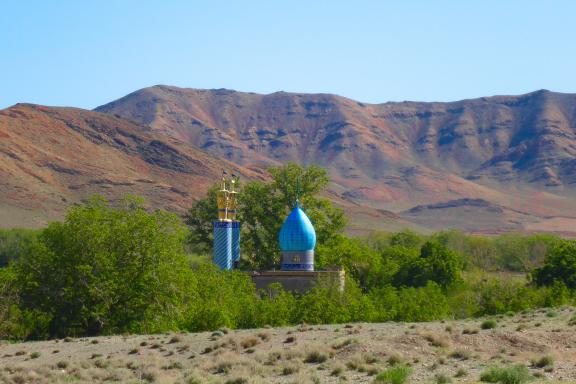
pixel 106 270
pixel 262 208
pixel 559 266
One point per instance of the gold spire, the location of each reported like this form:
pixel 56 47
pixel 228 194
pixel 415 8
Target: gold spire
pixel 232 199
pixel 227 200
pixel 222 200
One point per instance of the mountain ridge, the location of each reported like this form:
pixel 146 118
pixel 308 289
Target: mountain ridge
pixel 509 150
pixel 56 156
pixel 514 152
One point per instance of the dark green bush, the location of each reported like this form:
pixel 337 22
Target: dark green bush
pixel 488 324
pixel 512 374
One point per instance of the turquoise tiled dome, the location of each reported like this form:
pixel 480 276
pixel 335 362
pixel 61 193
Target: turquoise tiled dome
pixel 297 233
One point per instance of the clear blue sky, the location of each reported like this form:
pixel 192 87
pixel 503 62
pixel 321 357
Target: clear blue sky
pixel 86 53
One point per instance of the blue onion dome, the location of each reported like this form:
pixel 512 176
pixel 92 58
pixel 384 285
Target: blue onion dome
pixel 297 233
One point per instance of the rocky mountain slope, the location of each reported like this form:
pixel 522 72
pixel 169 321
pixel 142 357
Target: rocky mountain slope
pixel 514 152
pixel 53 157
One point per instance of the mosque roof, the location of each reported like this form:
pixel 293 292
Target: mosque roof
pixel 297 233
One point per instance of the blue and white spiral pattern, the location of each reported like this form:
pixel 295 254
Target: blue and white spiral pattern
pixel 222 253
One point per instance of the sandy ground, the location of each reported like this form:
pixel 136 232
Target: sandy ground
pixel 453 351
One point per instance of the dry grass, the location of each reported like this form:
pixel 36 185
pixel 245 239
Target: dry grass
pixel 353 353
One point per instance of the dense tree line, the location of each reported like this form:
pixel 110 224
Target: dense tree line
pixel 112 269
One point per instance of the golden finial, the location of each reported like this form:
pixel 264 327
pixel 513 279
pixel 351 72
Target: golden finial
pixel 232 198
pixel 222 199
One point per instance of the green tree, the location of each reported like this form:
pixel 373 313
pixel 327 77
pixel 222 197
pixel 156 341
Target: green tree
pixel 14 243
pixel 435 263
pixel 107 270
pixel 262 207
pixel 407 239
pixel 559 265
pixel 358 259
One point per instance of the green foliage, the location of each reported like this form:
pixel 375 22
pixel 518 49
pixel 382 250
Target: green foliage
pixel 543 362
pixel 406 239
pixel 14 243
pixel 509 252
pixel 488 324
pixel 512 374
pixel 17 323
pixel 409 304
pixel 325 304
pixel 106 270
pixel 559 265
pixel 221 299
pixel 262 207
pixel 110 270
pixel 398 374
pixel 199 219
pixel 435 263
pixel 488 294
pixel 358 259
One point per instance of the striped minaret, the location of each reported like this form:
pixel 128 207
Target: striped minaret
pixel 222 253
pixel 235 244
pixel 226 252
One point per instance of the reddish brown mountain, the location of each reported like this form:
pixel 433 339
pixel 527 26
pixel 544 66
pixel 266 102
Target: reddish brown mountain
pixel 489 164
pixel 514 152
pixel 52 157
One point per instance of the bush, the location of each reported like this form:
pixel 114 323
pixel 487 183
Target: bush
pixel 14 243
pixel 442 378
pixel 559 265
pixel 436 263
pixel 513 374
pixel 488 324
pixel 398 374
pixel 106 270
pixel 543 362
pixel 315 357
pixel 461 372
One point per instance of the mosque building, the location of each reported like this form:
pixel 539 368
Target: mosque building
pixel 297 240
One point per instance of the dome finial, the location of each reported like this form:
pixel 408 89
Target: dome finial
pixel 297 205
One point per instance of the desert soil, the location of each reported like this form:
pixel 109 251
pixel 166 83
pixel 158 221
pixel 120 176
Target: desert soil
pixel 453 351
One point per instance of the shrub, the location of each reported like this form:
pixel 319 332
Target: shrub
pixel 395 359
pixel 397 374
pixel 461 372
pixel 174 365
pixel 442 378
pixel 265 336
pixel 216 334
pixel 315 357
pixel 559 266
pixel 237 380
pixel 437 341
pixel 249 342
pixel 35 355
pixel 488 324
pixel 544 361
pixel 106 270
pixel 289 369
pixel 345 343
pixel 460 354
pixel 175 339
pixel 513 374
